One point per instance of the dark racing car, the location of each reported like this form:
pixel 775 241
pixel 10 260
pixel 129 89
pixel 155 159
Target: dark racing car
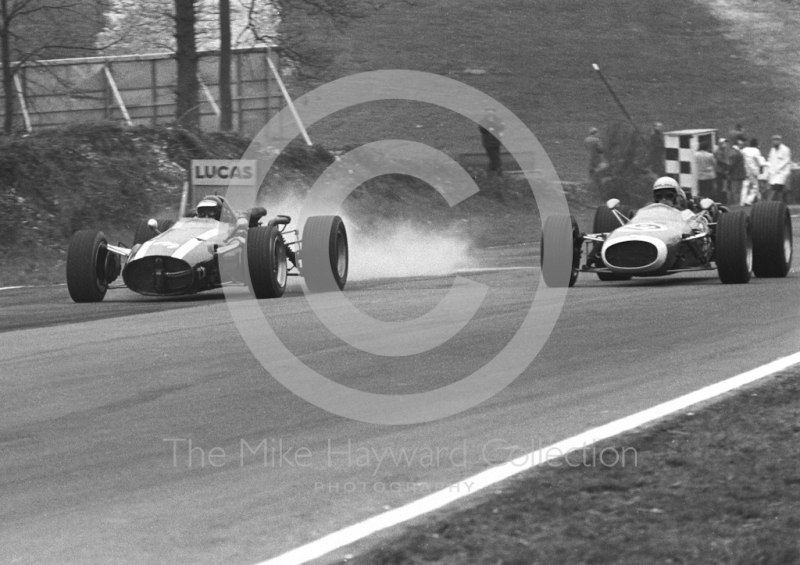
pixel 217 246
pixel 669 236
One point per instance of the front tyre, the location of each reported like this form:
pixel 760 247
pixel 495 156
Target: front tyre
pixel 266 262
pixel 560 251
pixel 734 248
pixel 89 266
pixel 324 254
pixel 772 239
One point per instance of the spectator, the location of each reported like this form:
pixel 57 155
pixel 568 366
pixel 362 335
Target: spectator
pixel 491 128
pixel 706 167
pixel 657 153
pixel 721 158
pixel 779 167
pixel 736 173
pixel 754 163
pixel 597 160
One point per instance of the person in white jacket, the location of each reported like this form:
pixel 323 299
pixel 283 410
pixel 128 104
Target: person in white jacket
pixel 754 162
pixel 779 167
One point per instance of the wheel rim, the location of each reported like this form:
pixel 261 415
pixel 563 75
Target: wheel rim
pixel 749 247
pixel 101 278
pixel 787 242
pixel 279 263
pixel 341 255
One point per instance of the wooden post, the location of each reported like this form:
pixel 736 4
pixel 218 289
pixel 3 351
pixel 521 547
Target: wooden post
pixel 21 96
pixel 117 96
pixel 209 97
pixel 285 93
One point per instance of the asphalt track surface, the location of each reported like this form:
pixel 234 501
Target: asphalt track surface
pixel 100 401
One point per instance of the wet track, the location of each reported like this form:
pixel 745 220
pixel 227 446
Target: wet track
pixel 100 403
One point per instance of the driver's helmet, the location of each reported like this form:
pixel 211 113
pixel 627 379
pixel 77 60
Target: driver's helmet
pixel 667 191
pixel 210 207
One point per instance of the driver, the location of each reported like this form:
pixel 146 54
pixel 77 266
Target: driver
pixel 210 207
pixel 666 191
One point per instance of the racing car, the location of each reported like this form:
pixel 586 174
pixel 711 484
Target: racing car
pixel 659 239
pixel 214 247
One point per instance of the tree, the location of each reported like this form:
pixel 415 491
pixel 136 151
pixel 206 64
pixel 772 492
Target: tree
pixel 301 27
pixel 187 111
pixel 146 26
pixel 225 99
pixel 36 29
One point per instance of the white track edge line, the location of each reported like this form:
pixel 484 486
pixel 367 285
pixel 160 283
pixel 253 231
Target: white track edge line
pixel 489 477
pixel 11 287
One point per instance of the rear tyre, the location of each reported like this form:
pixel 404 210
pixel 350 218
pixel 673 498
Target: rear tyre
pixel 87 257
pixel 734 248
pixel 266 262
pixel 772 239
pixel 324 254
pixel 560 251
pixel 145 233
pixel 604 222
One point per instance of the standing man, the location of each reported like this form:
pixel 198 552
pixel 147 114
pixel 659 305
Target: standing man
pixel 657 150
pixel 491 128
pixel 779 167
pixel 597 161
pixel 736 173
pixel 721 158
pixel 706 167
pixel 754 162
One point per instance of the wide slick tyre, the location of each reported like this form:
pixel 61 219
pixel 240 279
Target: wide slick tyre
pixel 87 257
pixel 734 248
pixel 772 239
pixel 559 254
pixel 324 254
pixel 144 232
pixel 605 222
pixel 266 262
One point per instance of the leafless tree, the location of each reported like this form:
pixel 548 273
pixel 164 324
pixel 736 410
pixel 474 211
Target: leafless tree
pixel 225 97
pixel 37 29
pixel 187 110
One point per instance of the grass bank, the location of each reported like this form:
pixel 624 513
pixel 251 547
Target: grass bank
pixel 713 485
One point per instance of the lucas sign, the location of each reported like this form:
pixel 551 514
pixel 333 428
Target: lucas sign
pixel 217 172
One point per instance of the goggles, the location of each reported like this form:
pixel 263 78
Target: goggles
pixel 666 195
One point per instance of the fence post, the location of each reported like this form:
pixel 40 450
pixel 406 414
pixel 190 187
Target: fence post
pixel 21 96
pixel 117 96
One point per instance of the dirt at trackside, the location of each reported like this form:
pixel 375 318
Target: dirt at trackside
pixel 720 485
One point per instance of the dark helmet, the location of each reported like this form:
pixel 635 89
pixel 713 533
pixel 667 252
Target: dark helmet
pixel 210 207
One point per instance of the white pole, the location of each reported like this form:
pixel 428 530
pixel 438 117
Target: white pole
pixel 288 100
pixel 118 96
pixel 210 98
pixel 25 116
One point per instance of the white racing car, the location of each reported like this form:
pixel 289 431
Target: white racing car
pixel 661 240
pixel 215 247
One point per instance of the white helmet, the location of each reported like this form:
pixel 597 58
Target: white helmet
pixel 665 186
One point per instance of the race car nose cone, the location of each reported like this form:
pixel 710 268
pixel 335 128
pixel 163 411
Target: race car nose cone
pixel 634 255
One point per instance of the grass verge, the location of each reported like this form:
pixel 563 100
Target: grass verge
pixel 712 485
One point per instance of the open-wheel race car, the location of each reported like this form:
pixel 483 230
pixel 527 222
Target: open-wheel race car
pixel 659 239
pixel 216 246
